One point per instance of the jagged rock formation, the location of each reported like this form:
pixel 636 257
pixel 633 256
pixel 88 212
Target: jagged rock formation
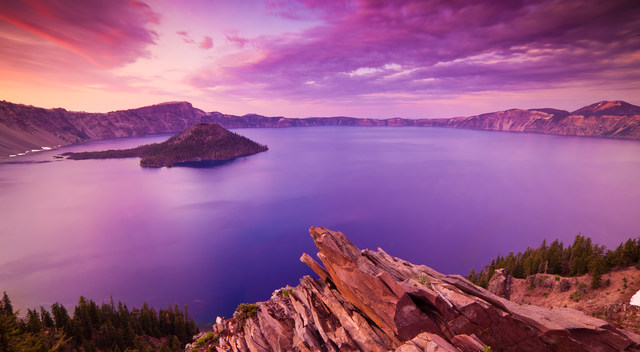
pixel 370 301
pixel 26 127
pixel 201 142
pixel 500 283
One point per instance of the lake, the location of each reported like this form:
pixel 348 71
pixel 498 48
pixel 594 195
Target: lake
pixel 215 237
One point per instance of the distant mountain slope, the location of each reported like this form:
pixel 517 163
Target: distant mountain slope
pixel 26 127
pixel 200 142
pixel 23 128
pixel 605 119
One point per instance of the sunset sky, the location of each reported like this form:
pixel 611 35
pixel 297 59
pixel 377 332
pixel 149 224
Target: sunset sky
pixel 420 58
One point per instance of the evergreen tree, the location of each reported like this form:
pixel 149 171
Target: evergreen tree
pixel 47 321
pixel 580 258
pixel 5 305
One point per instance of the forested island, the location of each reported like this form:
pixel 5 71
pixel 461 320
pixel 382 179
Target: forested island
pixel 199 143
pixel 92 327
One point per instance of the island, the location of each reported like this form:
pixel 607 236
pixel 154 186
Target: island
pixel 202 142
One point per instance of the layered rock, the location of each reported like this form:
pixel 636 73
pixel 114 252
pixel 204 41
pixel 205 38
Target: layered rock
pixel 370 301
pixel 500 283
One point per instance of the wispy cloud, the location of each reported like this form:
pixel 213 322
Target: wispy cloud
pixel 107 33
pixel 206 43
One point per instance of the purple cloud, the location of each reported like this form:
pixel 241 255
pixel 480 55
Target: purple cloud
pixel 441 47
pixel 206 43
pixel 234 38
pixel 107 33
pixel 185 37
pixel 307 9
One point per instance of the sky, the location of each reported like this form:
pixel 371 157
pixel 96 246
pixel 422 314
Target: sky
pixel 362 58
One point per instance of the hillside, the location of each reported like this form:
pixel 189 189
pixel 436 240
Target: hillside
pixel 198 143
pixel 609 302
pixel 25 128
pixel 367 300
pixel 605 119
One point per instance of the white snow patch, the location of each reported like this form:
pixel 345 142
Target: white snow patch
pixel 635 300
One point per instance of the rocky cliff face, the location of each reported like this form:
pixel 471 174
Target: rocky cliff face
pixel 26 127
pixel 605 119
pixel 370 301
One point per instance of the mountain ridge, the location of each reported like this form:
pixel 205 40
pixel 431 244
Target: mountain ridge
pixel 25 129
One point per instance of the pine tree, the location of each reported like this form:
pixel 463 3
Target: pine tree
pixel 5 305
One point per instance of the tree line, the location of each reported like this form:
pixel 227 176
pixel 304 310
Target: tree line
pixel 93 327
pixel 579 258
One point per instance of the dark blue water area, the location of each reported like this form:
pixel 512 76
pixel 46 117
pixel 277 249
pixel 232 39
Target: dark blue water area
pixel 213 237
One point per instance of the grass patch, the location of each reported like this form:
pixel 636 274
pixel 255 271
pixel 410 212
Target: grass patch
pixel 207 339
pixel 246 311
pixel 423 279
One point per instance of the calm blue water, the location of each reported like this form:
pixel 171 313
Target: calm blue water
pixel 216 237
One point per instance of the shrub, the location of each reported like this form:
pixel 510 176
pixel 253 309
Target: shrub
pixel 246 311
pixel 207 339
pixel 424 280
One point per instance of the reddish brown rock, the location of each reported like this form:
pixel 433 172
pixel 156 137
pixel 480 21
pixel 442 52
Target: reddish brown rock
pixel 500 283
pixel 371 301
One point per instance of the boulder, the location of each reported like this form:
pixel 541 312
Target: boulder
pixel 500 283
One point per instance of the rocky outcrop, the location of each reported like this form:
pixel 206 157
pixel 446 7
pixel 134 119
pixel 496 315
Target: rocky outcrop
pixel 370 301
pixel 500 283
pixel 24 127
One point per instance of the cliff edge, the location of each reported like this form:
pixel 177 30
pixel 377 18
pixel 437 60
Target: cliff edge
pixel 370 301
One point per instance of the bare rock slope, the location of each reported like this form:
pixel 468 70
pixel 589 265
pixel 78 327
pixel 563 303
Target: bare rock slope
pixel 610 301
pixel 370 301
